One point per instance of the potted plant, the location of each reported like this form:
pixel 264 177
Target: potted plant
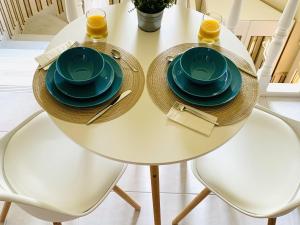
pixel 150 13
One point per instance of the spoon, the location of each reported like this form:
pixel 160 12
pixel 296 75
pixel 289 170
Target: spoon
pixel 170 58
pixel 117 55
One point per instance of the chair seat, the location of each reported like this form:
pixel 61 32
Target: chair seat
pixel 41 162
pixel 257 171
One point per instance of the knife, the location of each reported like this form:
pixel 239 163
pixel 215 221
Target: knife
pixel 114 102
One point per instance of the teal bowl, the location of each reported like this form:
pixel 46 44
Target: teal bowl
pixel 203 65
pixel 80 65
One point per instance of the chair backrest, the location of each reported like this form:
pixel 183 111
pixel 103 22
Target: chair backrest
pixel 293 123
pixel 294 201
pixel 6 193
pixel 34 172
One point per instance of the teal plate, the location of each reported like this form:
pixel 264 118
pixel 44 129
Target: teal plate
pixel 73 102
pixel 90 90
pixel 198 90
pixel 221 99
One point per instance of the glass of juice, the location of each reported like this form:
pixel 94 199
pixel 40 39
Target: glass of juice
pixel 96 24
pixel 210 27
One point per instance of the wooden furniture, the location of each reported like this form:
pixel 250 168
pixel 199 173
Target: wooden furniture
pixel 51 177
pixel 144 135
pixel 249 172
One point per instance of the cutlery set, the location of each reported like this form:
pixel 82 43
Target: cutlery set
pixel 181 107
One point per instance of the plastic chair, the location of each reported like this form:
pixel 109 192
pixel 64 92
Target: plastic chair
pixel 51 177
pixel 257 171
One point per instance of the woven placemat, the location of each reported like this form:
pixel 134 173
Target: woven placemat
pixel 227 114
pixel 132 80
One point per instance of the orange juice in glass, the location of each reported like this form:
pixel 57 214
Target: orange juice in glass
pixel 210 27
pixel 96 25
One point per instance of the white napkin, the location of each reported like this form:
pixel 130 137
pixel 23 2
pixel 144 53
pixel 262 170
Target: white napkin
pixel 193 122
pixel 48 57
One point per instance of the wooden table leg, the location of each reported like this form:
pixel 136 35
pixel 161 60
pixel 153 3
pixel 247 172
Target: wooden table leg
pixel 154 172
pixel 4 212
pixel 272 221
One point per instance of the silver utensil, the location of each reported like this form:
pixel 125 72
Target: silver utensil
pixel 46 67
pixel 182 107
pixel 170 58
pixel 117 55
pixel 114 102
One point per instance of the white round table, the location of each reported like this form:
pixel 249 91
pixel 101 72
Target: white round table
pixel 144 135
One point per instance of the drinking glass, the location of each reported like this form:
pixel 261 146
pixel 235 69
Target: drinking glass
pixel 96 24
pixel 210 27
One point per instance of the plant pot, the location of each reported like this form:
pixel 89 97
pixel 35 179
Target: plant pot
pixel 149 22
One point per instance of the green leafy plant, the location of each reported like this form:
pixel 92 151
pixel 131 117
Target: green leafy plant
pixel 152 6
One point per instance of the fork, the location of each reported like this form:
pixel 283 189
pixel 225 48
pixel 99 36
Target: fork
pixel 183 108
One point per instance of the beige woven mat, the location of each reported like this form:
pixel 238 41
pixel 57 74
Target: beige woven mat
pixel 132 80
pixel 227 114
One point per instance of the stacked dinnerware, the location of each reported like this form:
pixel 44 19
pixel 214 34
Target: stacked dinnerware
pixel 83 77
pixel 204 77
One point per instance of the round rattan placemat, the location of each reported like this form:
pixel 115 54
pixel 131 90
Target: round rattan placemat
pixel 132 80
pixel 227 114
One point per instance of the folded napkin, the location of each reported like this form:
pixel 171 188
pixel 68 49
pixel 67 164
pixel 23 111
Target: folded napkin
pixel 48 57
pixel 189 120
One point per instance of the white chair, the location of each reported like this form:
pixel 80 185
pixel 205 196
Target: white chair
pixel 51 177
pixel 257 171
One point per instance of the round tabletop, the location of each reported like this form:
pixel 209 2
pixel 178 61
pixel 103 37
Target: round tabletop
pixel 144 135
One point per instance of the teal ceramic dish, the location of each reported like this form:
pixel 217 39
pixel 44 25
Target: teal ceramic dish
pixel 203 65
pixel 197 90
pixel 80 65
pixel 99 86
pixel 218 100
pixel 81 103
